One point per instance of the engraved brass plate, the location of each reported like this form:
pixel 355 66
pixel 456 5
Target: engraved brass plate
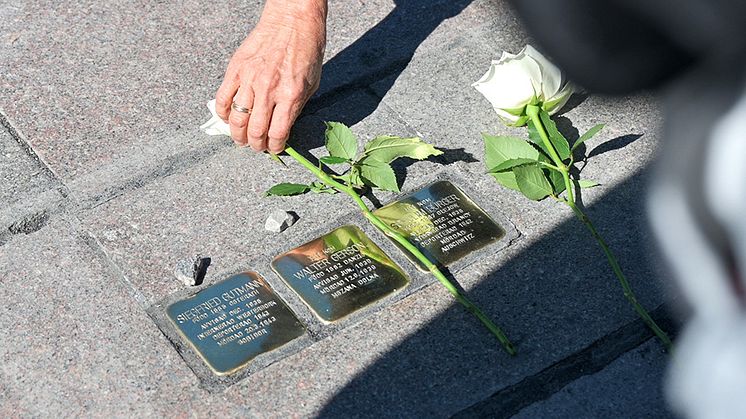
pixel 230 323
pixel 339 273
pixel 442 222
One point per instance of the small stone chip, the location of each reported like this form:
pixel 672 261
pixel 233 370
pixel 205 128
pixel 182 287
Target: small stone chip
pixel 278 221
pixel 192 271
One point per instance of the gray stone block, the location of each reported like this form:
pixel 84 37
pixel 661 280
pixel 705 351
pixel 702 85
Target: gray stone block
pixel 218 208
pixel 192 271
pixel 74 344
pixel 279 221
pixel 120 126
pixel 21 175
pixel 631 386
pixel 29 192
pixel 110 102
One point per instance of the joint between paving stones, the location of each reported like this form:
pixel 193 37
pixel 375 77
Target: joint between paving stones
pixel 170 166
pixel 100 251
pixel 183 161
pixel 589 360
pixel 21 139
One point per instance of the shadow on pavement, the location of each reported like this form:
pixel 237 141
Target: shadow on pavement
pixel 379 56
pixel 554 299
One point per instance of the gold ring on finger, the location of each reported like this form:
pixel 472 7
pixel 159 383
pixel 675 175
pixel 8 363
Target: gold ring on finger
pixel 238 108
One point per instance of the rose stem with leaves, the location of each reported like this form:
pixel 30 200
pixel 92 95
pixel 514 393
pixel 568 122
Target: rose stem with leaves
pixel 383 227
pixel 533 112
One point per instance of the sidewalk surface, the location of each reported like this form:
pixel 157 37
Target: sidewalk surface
pixel 106 182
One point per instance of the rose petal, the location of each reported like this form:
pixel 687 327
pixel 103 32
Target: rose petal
pixel 508 85
pixel 507 117
pixel 556 103
pixel 506 56
pixel 551 76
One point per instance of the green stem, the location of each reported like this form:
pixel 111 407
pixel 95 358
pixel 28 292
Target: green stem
pixel 533 112
pixel 433 268
pixel 628 293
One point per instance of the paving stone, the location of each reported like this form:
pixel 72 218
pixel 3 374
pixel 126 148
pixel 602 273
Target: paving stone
pixel 28 190
pixel 21 175
pixel 631 386
pixel 130 80
pixel 426 357
pixel 552 292
pixel 107 91
pixel 381 43
pixel 435 98
pixel 73 342
pixel 218 208
pixel 165 190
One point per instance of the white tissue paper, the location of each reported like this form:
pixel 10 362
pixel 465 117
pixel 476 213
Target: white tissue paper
pixel 215 126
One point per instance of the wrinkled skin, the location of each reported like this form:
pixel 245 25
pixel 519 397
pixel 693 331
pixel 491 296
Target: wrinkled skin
pixel 273 73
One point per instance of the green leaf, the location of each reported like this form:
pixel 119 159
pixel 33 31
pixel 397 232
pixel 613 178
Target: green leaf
pixel 499 149
pixel 353 177
pixel 533 135
pixel 532 182
pixel 509 164
pixel 287 189
pixel 556 179
pixel 387 148
pixel 554 176
pixel 320 187
pixel 340 141
pixel 558 140
pixel 378 174
pixel 587 136
pixel 587 183
pixel 328 160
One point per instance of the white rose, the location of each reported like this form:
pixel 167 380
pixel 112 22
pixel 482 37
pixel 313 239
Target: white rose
pixel 215 126
pixel 514 81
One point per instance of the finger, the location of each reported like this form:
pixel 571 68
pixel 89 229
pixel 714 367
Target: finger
pixel 239 121
pixel 226 92
pixel 259 123
pixel 283 118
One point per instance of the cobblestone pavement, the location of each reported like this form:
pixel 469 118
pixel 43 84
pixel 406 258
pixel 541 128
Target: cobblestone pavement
pixel 106 183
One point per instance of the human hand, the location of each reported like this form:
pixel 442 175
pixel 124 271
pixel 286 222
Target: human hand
pixel 273 73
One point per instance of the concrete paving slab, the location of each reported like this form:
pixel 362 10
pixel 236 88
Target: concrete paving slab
pixel 118 81
pixel 386 43
pixel 130 103
pixel 22 175
pixel 631 386
pixel 158 191
pixel 218 209
pixel 73 342
pixel 29 191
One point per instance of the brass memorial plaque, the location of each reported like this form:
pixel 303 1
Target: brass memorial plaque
pixel 442 222
pixel 230 323
pixel 339 273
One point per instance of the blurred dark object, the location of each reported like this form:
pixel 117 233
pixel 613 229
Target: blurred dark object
pixel 696 50
pixel 625 45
